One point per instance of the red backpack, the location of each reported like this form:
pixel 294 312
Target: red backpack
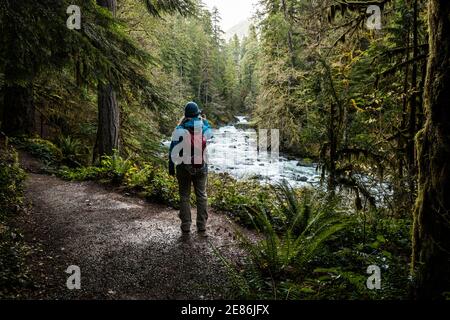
pixel 198 144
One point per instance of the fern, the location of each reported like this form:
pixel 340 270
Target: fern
pixel 285 254
pixel 116 166
pixel 74 154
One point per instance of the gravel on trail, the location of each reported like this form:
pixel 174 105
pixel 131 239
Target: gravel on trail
pixel 126 248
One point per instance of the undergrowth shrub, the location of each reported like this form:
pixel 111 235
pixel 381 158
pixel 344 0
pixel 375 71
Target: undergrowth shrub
pixel 74 154
pixel 163 188
pixel 13 272
pixel 11 181
pixel 311 249
pixel 112 169
pixel 235 197
pixel 278 264
pixel 42 149
pixel 384 242
pixel 115 167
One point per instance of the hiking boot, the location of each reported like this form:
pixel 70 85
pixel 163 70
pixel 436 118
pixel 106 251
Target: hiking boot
pixel 202 233
pixel 185 237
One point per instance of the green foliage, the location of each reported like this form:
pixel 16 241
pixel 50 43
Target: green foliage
pixel 115 167
pixel 235 197
pixel 42 149
pixel 196 64
pixel 280 262
pixel 73 153
pixel 343 94
pixel 338 92
pixel 112 169
pixel 82 174
pixel 183 7
pixel 380 241
pixel 310 249
pixel 163 188
pixel 11 181
pixel 13 272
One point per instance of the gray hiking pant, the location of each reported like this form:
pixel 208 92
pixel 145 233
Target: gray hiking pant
pixel 186 178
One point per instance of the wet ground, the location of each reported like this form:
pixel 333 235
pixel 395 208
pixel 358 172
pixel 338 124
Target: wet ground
pixel 125 247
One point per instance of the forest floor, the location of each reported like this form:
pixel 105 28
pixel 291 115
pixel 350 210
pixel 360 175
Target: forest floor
pixel 125 247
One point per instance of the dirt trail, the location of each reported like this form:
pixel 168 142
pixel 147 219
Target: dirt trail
pixel 126 248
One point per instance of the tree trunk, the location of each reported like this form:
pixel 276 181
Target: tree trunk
pixel 401 203
pixel 108 121
pixel 332 137
pixel 18 110
pixel 108 109
pixel 412 110
pixel 431 230
pixel 111 5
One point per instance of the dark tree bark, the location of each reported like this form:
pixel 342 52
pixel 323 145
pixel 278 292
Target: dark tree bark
pixel 405 188
pixel 431 230
pixel 334 132
pixel 108 121
pixel 108 109
pixel 18 110
pixel 18 116
pixel 111 5
pixel 402 204
pixel 332 136
pixel 412 109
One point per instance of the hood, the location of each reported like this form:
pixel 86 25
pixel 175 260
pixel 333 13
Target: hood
pixel 192 123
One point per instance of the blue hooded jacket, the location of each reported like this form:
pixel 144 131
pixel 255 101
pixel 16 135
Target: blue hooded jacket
pixel 189 124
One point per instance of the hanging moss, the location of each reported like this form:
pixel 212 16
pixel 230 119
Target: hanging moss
pixel 431 230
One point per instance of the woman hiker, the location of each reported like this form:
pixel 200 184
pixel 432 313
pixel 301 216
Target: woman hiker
pixel 187 160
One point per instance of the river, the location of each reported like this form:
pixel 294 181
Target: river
pixel 234 150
